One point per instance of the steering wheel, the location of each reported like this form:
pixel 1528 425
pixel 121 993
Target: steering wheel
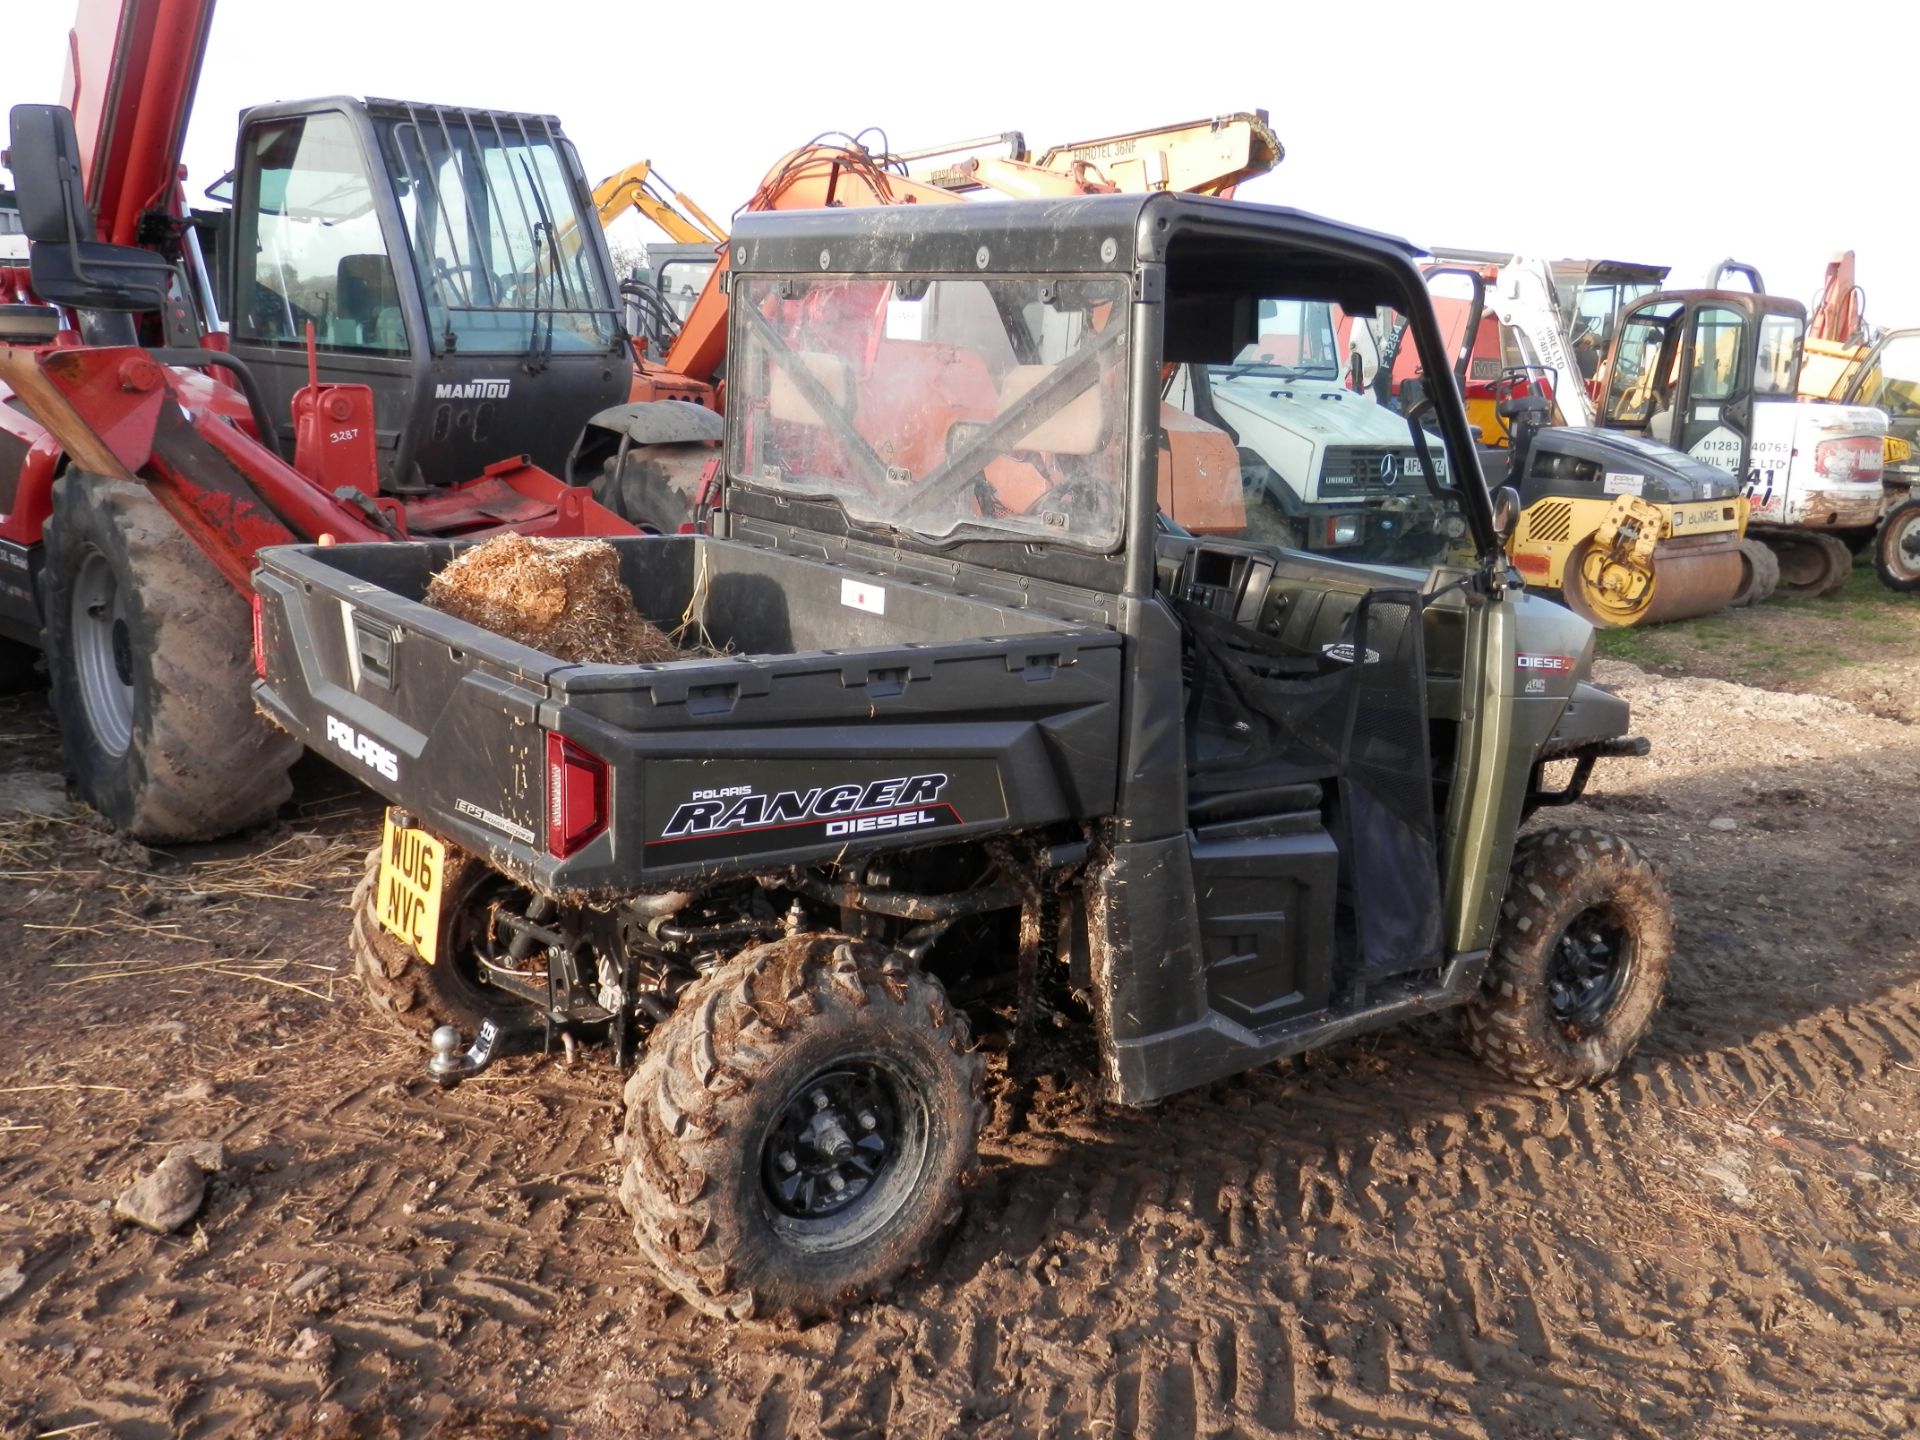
pixel 442 271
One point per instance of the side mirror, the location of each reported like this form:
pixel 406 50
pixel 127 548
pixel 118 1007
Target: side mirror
pixel 1506 513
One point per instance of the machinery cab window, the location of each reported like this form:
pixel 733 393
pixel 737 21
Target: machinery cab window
pixel 309 244
pixel 1641 379
pixel 499 238
pixel 1776 367
pixel 1892 382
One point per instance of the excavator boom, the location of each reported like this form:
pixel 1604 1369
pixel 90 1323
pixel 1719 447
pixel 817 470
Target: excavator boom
pixel 639 188
pixel 1208 157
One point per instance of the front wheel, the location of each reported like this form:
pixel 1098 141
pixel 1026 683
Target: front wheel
pixel 149 651
pixel 1580 963
pixel 1896 550
pixel 799 1128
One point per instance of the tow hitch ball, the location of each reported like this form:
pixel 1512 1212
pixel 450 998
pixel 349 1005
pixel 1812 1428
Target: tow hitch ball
pixel 450 1065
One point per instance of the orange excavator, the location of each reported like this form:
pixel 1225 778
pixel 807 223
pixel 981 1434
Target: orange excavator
pixel 646 459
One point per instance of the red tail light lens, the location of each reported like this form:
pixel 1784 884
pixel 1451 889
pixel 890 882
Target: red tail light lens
pixel 259 637
pixel 1854 460
pixel 576 796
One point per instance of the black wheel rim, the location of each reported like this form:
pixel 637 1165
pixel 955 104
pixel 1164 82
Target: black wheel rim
pixel 1588 973
pixel 834 1142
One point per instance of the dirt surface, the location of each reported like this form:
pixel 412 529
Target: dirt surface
pixel 562 597
pixel 1379 1240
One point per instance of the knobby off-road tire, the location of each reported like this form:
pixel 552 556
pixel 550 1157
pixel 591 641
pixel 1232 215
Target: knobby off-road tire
pixel 405 989
pixel 718 1168
pixel 1759 575
pixel 1580 902
pixel 1896 549
pixel 150 654
pixel 643 492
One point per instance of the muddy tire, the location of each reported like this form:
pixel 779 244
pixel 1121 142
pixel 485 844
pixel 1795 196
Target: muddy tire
pixel 1580 963
pixel 799 1129
pixel 403 988
pixel 149 651
pixel 1811 564
pixel 657 486
pixel 1759 575
pixel 1896 549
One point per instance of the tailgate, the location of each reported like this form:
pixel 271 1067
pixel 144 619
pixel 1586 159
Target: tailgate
pixel 433 713
pixel 696 767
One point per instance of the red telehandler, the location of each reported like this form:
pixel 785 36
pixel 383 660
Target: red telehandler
pixel 422 290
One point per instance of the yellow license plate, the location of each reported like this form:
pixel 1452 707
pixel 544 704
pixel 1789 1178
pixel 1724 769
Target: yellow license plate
pixel 413 866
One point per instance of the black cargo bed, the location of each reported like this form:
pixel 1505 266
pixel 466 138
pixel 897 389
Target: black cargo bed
pixel 833 677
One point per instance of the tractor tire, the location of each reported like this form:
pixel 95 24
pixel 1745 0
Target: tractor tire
pixel 1811 564
pixel 1896 550
pixel 1580 962
pixel 414 996
pixel 644 491
pixel 149 651
pixel 1759 575
pixel 799 1128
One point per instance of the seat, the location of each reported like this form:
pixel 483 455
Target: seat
pixel 363 291
pixel 70 267
pixel 1254 796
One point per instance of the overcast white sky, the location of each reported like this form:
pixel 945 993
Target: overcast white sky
pixel 1677 133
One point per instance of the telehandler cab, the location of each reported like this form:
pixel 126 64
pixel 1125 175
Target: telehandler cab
pixel 978 728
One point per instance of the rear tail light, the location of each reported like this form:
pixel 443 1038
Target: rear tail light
pixel 259 637
pixel 576 796
pixel 1857 459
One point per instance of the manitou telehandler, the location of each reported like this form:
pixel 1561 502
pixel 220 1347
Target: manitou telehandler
pixel 400 340
pixel 1217 800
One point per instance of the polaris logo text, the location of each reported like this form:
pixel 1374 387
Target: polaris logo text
pixel 740 808
pixel 472 390
pixel 364 748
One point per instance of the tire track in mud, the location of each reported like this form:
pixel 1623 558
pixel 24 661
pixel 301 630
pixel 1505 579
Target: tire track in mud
pixel 1342 1251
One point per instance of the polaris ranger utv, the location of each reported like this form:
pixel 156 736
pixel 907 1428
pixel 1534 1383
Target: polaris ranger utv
pixel 974 721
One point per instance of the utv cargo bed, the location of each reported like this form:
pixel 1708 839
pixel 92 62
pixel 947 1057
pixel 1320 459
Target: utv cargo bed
pixel 851 706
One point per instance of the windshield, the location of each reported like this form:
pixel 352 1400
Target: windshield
pixel 1293 339
pixel 499 241
pixel 944 409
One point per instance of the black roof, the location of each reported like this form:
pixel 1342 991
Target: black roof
pixel 1086 233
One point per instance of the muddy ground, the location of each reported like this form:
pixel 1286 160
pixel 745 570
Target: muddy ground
pixel 1379 1240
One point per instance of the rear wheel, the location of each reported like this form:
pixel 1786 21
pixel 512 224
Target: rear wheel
pixel 1759 575
pixel 799 1128
pixel 418 997
pixel 150 655
pixel 1896 550
pixel 1580 963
